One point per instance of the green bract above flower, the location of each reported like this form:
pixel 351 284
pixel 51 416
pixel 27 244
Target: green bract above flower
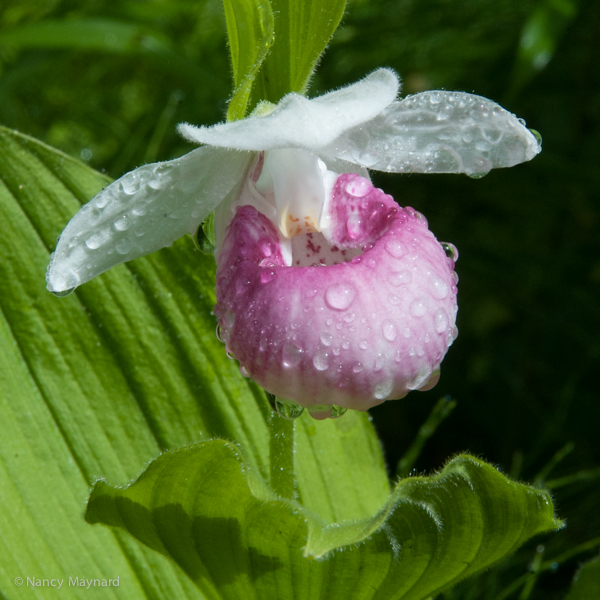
pixel 358 127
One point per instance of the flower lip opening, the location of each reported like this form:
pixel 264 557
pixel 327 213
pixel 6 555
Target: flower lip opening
pixel 322 218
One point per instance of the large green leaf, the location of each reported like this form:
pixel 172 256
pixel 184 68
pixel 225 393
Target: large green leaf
pixel 303 29
pixel 250 33
pixel 100 382
pixel 203 506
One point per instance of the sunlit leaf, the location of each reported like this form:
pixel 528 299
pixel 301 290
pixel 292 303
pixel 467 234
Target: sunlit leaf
pixel 303 29
pixel 205 508
pixel 250 32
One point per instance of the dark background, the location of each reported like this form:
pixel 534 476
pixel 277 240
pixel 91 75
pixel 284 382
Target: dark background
pixel 525 364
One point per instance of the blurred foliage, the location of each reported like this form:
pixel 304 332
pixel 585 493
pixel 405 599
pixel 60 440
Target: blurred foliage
pixel 107 82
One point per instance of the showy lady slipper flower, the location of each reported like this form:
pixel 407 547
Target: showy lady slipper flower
pixel 328 293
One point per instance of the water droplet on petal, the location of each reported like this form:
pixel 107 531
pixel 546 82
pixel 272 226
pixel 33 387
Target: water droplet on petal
pixel 242 285
pixel 122 224
pixel 357 368
pixel 384 389
pixel 156 183
pixel 321 361
pixel 389 330
pixel 130 184
pixel 101 201
pixel 243 371
pixel 286 409
pixel 123 246
pixel 358 187
pixel 418 308
pixel 420 379
pixel 267 276
pixel 440 321
pixel 353 225
pixel 439 288
pixel 291 355
pixel 337 412
pixel 96 240
pixel 64 293
pixel 394 300
pixel 399 278
pixel 339 296
pixel 537 135
pixel 450 250
pixel 395 248
pixel 326 339
pixel 432 381
pixel 363 344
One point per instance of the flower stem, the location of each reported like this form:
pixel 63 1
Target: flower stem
pixel 281 449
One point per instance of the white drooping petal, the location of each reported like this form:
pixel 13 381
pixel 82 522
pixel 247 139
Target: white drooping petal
pixel 143 211
pixel 439 132
pixel 298 122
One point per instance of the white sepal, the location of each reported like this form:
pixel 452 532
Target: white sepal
pixel 439 132
pixel 143 211
pixel 297 122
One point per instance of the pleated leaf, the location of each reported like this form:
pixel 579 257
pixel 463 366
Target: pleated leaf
pixel 101 382
pixel 250 33
pixel 204 507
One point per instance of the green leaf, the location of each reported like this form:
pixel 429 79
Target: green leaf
pixel 203 506
pixel 250 32
pixel 303 29
pixel 100 382
pixel 586 585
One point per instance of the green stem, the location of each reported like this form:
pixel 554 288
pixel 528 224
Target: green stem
pixel 281 450
pixel 549 565
pixel 588 475
pixel 440 411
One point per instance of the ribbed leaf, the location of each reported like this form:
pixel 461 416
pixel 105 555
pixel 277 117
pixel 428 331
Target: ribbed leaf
pixel 203 506
pixel 303 29
pixel 250 32
pixel 100 382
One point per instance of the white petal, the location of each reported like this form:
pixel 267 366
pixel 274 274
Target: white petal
pixel 298 122
pixel 143 211
pixel 297 179
pixel 439 132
